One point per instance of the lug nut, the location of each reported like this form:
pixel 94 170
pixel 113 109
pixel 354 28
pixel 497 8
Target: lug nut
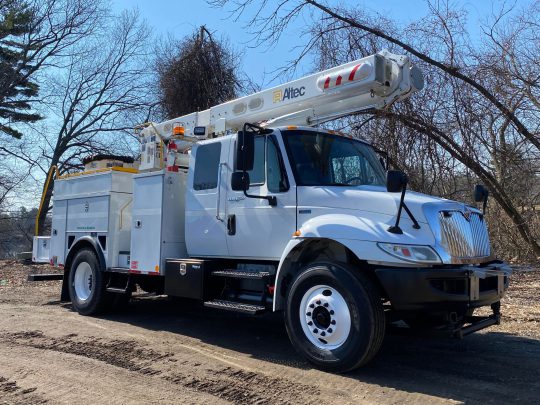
pixel 318 302
pixel 326 304
pixel 315 330
pixel 311 306
pixel 329 330
pixel 333 322
pixel 323 333
pixel 308 314
pixel 310 323
pixel 331 312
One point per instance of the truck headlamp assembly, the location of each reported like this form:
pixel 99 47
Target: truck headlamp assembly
pixel 411 253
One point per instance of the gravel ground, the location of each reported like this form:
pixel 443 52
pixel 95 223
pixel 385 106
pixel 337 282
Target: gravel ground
pixel 160 350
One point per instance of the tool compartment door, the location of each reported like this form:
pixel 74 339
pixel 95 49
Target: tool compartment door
pixel 58 232
pixel 146 222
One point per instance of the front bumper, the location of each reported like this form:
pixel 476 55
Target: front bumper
pixel 445 288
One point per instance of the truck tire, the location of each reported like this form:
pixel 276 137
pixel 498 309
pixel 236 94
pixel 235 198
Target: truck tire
pixel 334 316
pixel 87 284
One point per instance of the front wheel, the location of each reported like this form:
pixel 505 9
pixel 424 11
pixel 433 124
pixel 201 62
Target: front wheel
pixel 334 316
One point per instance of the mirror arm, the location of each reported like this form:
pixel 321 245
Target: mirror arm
pixel 396 229
pixel 416 225
pixel 272 200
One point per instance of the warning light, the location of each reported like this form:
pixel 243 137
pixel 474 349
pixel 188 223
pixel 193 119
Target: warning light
pixel 178 129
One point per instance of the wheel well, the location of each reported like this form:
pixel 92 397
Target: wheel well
pixel 81 244
pixel 318 250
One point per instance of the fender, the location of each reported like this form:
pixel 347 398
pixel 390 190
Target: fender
pixel 85 240
pixel 359 235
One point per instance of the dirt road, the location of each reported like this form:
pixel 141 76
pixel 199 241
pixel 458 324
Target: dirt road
pixel 176 352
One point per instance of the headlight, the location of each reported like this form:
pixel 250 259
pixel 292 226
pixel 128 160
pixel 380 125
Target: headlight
pixel 411 253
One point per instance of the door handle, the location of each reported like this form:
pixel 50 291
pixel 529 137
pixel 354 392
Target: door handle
pixel 231 224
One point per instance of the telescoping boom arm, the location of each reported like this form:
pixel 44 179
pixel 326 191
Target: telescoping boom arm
pixel 373 82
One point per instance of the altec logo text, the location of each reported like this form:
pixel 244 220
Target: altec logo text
pixel 288 94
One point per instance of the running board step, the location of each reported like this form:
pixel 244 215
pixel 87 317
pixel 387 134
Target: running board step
pixel 116 290
pixel 235 307
pixel 241 274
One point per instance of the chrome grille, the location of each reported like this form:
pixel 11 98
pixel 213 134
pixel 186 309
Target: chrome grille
pixel 464 238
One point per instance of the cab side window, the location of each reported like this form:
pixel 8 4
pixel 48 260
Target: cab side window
pixel 205 176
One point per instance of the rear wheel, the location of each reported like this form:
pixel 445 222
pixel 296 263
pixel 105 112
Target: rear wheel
pixel 334 317
pixel 87 284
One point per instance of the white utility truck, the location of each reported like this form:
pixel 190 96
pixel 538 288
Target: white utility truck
pixel 251 207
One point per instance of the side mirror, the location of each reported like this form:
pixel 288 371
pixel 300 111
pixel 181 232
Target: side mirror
pixel 396 181
pixel 480 193
pixel 245 151
pixel 240 181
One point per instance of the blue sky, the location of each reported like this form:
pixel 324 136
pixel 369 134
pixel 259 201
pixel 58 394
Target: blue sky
pixel 181 17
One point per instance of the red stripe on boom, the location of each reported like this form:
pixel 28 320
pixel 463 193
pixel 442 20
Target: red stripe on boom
pixel 338 81
pixel 353 72
pixel 327 82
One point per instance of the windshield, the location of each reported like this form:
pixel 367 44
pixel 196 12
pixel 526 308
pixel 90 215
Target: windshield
pixel 323 159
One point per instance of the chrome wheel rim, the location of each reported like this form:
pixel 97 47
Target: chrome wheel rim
pixel 325 317
pixel 83 281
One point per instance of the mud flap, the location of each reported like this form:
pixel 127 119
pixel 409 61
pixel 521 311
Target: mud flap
pixel 64 295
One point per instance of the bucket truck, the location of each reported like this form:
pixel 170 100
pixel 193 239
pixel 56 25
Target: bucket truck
pixel 251 206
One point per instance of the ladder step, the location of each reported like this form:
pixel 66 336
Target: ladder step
pixel 241 274
pixel 235 307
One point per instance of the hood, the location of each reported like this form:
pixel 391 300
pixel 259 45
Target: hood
pixel 374 199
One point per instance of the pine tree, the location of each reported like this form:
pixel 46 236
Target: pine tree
pixel 16 87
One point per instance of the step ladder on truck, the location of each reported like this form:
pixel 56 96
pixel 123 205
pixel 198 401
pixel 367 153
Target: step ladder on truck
pixel 251 207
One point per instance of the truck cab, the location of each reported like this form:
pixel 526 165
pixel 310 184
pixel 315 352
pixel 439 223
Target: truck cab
pixel 333 208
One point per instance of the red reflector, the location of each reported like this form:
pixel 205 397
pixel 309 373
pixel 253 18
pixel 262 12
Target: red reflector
pixel 271 289
pixel 406 252
pixel 338 81
pixel 327 82
pixel 353 72
pixel 135 271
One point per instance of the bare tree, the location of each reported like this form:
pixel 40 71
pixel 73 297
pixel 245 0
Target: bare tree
pixel 102 90
pixel 196 73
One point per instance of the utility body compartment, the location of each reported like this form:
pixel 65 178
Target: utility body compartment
pixel 96 205
pixel 157 220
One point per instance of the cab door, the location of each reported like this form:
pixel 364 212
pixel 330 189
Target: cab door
pixel 206 232
pixel 255 229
